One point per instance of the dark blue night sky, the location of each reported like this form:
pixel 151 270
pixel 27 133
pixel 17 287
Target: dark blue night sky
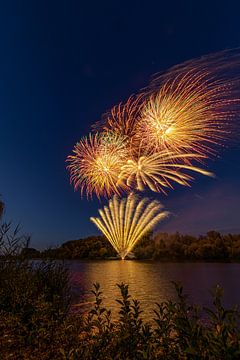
pixel 64 63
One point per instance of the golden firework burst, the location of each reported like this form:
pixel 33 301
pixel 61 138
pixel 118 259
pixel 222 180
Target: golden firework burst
pixel 124 221
pixel 158 171
pixel 189 108
pixel 97 162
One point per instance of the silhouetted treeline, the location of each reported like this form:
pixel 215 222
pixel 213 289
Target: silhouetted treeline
pixel 92 247
pixel 212 246
pixel 163 246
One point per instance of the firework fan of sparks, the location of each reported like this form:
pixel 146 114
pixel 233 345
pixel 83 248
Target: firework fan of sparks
pixel 158 171
pixel 96 163
pixel 124 221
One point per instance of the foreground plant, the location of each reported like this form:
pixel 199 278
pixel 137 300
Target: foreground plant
pixel 178 330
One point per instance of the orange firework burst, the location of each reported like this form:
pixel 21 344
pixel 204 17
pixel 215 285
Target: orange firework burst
pixel 97 162
pixel 122 118
pixel 157 171
pixel 188 108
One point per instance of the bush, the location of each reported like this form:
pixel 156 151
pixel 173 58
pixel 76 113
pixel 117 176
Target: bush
pixel 34 301
pixel 34 304
pixel 178 330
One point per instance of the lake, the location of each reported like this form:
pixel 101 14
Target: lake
pixel 150 281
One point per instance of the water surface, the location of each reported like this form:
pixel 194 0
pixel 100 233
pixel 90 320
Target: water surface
pixel 150 281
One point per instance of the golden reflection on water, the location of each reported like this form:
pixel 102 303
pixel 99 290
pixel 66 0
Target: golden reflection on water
pixel 150 282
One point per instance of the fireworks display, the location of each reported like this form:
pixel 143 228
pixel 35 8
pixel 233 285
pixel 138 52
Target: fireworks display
pixel 156 138
pixel 124 221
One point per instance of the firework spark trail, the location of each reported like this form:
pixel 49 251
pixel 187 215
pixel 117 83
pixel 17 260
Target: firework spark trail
pixel 96 164
pixel 126 220
pixel 157 171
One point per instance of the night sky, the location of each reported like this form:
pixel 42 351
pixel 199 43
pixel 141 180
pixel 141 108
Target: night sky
pixel 64 63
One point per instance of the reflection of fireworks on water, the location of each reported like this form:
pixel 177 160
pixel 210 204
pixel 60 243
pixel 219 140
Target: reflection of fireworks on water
pixel 158 171
pixel 97 162
pixel 124 221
